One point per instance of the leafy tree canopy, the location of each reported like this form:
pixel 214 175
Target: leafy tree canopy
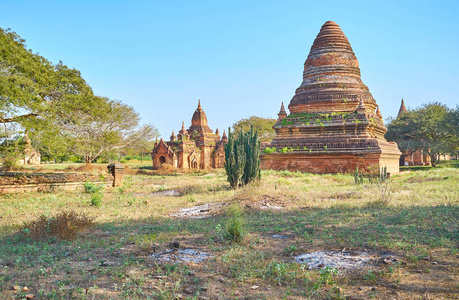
pixel 59 109
pixel 432 128
pixel 264 127
pixel 94 126
pixel 29 84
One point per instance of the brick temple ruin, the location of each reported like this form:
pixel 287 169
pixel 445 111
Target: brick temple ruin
pixel 195 148
pixel 31 156
pixel 334 123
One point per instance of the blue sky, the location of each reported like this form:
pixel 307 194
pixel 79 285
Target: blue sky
pixel 241 58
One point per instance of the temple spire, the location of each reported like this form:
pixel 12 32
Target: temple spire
pixel 182 132
pixel 217 132
pixel 402 109
pixel 199 120
pixel 282 113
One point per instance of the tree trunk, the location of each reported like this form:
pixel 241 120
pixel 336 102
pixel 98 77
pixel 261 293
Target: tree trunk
pixel 433 159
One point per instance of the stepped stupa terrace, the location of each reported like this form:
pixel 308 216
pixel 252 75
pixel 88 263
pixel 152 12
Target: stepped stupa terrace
pixel 334 124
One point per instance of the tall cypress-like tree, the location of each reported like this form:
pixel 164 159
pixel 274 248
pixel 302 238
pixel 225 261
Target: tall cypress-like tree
pixel 242 157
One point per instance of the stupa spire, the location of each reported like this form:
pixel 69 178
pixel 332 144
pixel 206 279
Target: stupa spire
pixel 361 107
pixel 402 109
pixel 331 77
pixel 199 120
pixel 282 113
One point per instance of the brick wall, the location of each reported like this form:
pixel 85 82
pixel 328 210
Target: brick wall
pixel 13 182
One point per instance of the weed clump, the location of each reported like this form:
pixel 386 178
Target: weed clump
pixel 95 191
pixel 235 231
pixel 65 225
pixel 382 181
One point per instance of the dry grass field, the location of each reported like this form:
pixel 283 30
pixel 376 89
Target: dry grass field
pixel 283 215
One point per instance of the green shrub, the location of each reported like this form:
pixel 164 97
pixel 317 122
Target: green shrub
pixel 96 191
pixel 75 159
pixel 11 161
pixel 269 150
pixel 96 199
pixel 235 231
pixel 277 271
pixel 91 188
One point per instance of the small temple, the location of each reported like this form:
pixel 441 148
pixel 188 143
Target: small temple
pixel 31 156
pixel 196 148
pixel 335 124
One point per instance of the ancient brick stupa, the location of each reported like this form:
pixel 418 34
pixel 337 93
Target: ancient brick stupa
pixel 334 124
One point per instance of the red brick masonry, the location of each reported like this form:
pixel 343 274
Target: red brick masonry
pixel 14 182
pixel 334 123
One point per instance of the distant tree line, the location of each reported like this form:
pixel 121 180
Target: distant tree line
pixel 58 109
pixel 264 127
pixel 432 128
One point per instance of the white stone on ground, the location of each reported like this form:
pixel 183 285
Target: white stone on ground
pixel 186 255
pixel 334 259
pixel 197 212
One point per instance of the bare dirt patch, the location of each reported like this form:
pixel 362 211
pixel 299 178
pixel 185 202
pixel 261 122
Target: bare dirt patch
pixel 266 202
pixel 200 211
pixel 174 193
